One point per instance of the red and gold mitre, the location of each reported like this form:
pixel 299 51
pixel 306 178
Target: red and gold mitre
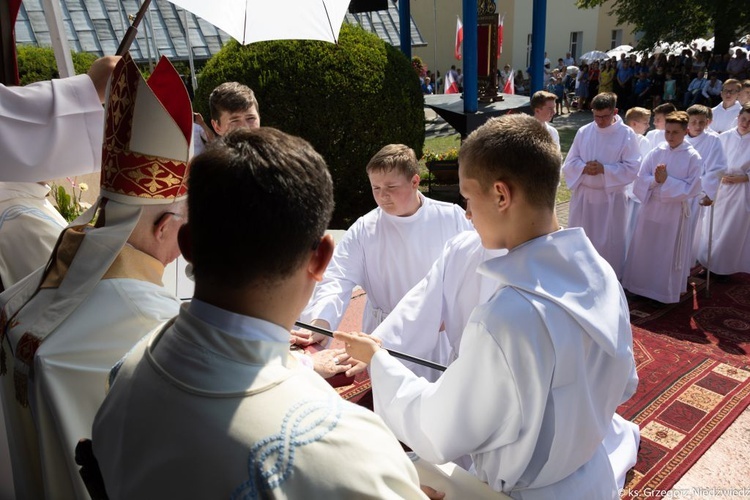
pixel 148 133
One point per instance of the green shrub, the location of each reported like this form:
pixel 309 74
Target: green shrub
pixel 348 100
pixel 38 63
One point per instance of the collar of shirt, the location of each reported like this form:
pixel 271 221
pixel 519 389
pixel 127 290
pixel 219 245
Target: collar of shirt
pixel 10 190
pixel 238 325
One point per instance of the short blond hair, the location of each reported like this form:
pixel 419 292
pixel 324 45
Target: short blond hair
pixel 637 113
pixel 398 157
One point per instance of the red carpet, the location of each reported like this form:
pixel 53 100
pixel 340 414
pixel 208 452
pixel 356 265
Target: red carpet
pixel 694 371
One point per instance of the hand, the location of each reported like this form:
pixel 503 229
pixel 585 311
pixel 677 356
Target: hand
pixel 100 71
pixel 330 362
pixel 431 493
pixel 734 179
pixel 593 168
pixel 660 174
pixel 360 346
pixel 198 118
pixel 304 337
pixel 706 201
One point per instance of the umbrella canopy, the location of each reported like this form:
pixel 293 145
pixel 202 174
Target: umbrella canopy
pixel 617 51
pixel 572 70
pixel 594 55
pixel 249 21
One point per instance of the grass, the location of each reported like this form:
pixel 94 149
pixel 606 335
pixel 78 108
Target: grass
pixel 444 143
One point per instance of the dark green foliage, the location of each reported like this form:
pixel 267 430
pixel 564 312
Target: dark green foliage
pixel 348 100
pixel 672 21
pixel 38 63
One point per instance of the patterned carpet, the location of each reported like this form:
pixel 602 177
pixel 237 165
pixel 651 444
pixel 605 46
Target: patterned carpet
pixel 694 368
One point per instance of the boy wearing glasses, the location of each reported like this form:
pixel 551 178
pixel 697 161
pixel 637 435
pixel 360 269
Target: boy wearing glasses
pixel 725 113
pixel 602 161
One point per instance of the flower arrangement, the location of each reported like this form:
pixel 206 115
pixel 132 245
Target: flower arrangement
pixel 70 206
pixel 447 155
pixel 419 66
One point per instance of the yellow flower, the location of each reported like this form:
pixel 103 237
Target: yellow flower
pixel 83 186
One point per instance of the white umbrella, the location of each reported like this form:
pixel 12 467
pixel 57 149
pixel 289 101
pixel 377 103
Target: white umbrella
pixel 249 21
pixel 594 55
pixel 617 51
pixel 572 70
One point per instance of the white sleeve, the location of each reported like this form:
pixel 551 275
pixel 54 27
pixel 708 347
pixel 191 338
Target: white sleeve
pixel 625 170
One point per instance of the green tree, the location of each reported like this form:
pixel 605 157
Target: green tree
pixel 36 64
pixel 348 100
pixel 675 21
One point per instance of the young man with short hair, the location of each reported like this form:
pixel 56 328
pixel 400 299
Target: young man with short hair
pixel 543 105
pixel 211 404
pixel 725 113
pixel 602 161
pixel 667 183
pixel 550 366
pixel 233 105
pixel 660 112
pixel 386 251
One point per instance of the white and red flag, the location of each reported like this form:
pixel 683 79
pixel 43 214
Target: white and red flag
pixel 510 87
pixel 459 38
pixel 451 82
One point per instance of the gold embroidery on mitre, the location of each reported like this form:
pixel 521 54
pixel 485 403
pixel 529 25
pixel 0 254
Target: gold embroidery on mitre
pixel 155 169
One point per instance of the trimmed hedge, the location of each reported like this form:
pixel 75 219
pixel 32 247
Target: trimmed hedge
pixel 36 64
pixel 348 100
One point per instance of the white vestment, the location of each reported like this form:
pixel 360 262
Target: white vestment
pixel 438 309
pixel 598 203
pixel 655 138
pixel 730 252
pixel 71 365
pixel 554 133
pixel 197 411
pixel 658 256
pixel 709 147
pixel 50 130
pixel 633 202
pixel 724 118
pixel 385 255
pixel 29 227
pixel 547 367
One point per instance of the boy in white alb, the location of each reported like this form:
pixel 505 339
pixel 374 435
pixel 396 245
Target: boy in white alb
pixel 388 250
pixel 725 113
pixel 545 362
pixel 667 182
pixel 708 145
pixel 731 238
pixel 660 112
pixel 602 161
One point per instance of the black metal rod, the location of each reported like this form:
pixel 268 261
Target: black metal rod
pixel 395 354
pixel 132 30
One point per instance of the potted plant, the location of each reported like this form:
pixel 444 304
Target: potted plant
pixel 443 165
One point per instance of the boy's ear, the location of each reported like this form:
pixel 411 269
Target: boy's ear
pixel 415 181
pixel 320 258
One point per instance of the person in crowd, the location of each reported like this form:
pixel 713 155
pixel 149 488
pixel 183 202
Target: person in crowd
pixel 738 67
pixel 233 105
pixel 519 425
pixel 731 248
pixel 711 93
pixel 543 106
pixel 66 325
pixel 386 251
pixel 624 83
pixel 670 89
pixel 259 424
pixel 667 184
pixel 569 60
pixel 641 89
pixel 693 94
pixel 607 77
pixel 658 78
pixel 427 86
pixel 582 87
pixel 602 161
pixel 726 112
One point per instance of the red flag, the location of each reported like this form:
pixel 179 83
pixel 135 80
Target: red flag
pixel 510 87
pixel 451 82
pixel 459 37
pixel 500 36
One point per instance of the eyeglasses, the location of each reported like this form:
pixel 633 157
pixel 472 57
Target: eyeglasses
pixel 727 91
pixel 603 117
pixel 173 214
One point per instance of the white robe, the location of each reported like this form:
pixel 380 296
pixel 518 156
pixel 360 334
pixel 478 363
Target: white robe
pixel 709 147
pixel 50 130
pixel 554 133
pixel 70 373
pixel 198 411
pixel 29 227
pixel 386 256
pixel 598 203
pixel 633 202
pixel 731 237
pixel 548 367
pixel 725 118
pixel 655 138
pixel 445 299
pixel 657 265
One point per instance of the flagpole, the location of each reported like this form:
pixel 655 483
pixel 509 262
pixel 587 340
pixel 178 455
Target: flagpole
pixel 395 354
pixel 434 47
